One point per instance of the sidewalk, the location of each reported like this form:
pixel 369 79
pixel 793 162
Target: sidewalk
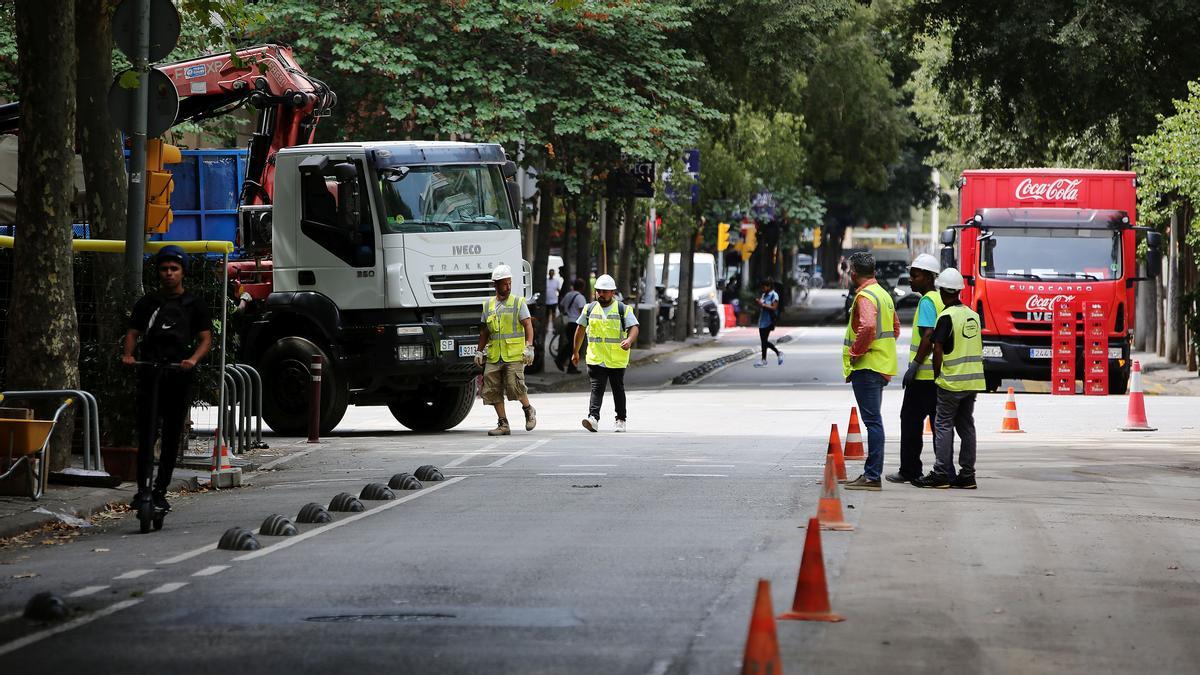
pixel 551 379
pixel 1161 377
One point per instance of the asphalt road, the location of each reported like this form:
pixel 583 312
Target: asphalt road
pixel 563 551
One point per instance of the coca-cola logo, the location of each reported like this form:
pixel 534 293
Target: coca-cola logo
pixel 1037 303
pixel 1061 190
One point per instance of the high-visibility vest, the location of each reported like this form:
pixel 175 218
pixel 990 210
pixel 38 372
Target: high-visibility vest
pixel 881 355
pixel 506 335
pixel 962 368
pixel 925 370
pixel 605 332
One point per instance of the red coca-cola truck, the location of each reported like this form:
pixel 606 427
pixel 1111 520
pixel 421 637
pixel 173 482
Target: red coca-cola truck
pixel 1028 238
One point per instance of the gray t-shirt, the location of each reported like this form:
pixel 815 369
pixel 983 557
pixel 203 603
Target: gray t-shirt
pixel 572 305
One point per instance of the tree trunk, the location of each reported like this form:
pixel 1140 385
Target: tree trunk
pixel 572 206
pixel 1146 318
pixel 1160 304
pixel 583 241
pixel 541 255
pixel 1174 353
pixel 611 240
pixel 624 266
pixel 104 175
pixel 43 331
pixel 684 315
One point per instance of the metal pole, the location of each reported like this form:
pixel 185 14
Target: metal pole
pixel 224 341
pixel 933 214
pixel 135 224
pixel 651 299
pixel 314 400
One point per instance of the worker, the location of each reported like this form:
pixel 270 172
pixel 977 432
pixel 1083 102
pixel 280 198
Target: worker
pixel 505 348
pixel 869 359
pixel 611 330
pixel 920 393
pixel 958 372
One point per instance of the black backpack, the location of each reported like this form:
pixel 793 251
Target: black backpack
pixel 169 331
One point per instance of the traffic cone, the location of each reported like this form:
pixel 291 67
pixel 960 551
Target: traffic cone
pixel 1010 424
pixel 762 646
pixel 928 427
pixel 223 461
pixel 812 596
pixel 835 449
pixel 829 508
pixel 854 444
pixel 1135 418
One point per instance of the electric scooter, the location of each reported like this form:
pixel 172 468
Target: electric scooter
pixel 147 513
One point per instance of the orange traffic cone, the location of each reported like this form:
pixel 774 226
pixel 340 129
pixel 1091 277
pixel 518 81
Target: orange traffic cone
pixel 1011 425
pixel 829 508
pixel 835 449
pixel 854 444
pixel 928 427
pixel 812 596
pixel 1135 418
pixel 762 646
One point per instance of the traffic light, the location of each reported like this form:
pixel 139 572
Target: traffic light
pixel 750 244
pixel 817 237
pixel 722 236
pixel 159 184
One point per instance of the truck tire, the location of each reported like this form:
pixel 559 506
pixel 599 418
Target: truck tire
pixel 442 410
pixel 1118 381
pixel 286 384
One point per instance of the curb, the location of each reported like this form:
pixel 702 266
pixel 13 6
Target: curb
pixel 713 365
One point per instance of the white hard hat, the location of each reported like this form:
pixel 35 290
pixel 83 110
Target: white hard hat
pixel 605 282
pixel 501 272
pixel 926 262
pixel 950 279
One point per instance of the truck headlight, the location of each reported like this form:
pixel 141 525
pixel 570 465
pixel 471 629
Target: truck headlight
pixel 410 352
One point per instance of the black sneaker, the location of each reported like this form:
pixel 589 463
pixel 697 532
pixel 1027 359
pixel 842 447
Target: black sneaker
pixel 932 480
pixel 898 478
pixel 964 482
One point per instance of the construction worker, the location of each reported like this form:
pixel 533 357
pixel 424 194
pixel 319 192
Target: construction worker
pixel 920 393
pixel 505 348
pixel 958 372
pixel 611 330
pixel 869 359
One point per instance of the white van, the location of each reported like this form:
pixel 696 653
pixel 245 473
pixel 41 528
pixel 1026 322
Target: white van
pixel 704 276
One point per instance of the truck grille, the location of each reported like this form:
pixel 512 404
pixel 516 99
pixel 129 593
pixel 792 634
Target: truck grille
pixel 473 286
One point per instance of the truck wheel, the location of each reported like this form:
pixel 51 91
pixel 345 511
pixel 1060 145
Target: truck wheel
pixel 1118 381
pixel 439 411
pixel 286 384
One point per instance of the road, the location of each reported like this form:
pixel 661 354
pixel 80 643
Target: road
pixel 563 551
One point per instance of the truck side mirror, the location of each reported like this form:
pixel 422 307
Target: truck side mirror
pixel 1153 254
pixel 948 237
pixel 948 257
pixel 508 169
pixel 349 215
pixel 514 200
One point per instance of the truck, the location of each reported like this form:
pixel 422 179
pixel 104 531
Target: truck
pixel 1030 238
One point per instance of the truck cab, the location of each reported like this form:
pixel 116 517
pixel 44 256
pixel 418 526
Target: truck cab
pixel 382 255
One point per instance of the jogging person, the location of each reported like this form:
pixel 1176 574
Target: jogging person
pixel 167 326
pixel 611 330
pixel 920 393
pixel 505 348
pixel 769 302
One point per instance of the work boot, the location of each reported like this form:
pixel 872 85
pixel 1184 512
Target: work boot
pixel 864 483
pixel 159 498
pixel 530 417
pixel 620 426
pixel 898 478
pixel 591 423
pixel 501 428
pixel 964 482
pixel 932 480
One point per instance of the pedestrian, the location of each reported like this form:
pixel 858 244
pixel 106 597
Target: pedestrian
pixel 553 286
pixel 505 348
pixel 920 392
pixel 172 327
pixel 767 318
pixel 843 271
pixel 958 372
pixel 869 359
pixel 571 307
pixel 611 330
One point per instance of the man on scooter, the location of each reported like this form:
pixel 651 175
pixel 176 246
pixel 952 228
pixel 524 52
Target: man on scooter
pixel 174 329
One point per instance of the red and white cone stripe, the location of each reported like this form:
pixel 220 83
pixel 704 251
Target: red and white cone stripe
pixel 1135 418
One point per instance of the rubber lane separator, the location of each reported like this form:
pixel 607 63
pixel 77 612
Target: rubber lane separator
pixel 75 623
pixel 292 541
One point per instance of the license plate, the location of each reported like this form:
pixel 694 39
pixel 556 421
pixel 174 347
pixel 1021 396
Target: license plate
pixel 1039 353
pixel 992 351
pixel 447 345
pixel 467 350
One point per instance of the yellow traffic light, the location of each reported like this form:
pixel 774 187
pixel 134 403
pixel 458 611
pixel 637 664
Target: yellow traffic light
pixel 817 237
pixel 722 236
pixel 751 239
pixel 159 184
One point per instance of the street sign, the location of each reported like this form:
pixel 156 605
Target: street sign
pixel 164 28
pixel 635 180
pixel 161 110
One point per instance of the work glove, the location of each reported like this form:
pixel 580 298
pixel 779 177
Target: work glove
pixel 910 375
pixel 528 357
pixel 480 357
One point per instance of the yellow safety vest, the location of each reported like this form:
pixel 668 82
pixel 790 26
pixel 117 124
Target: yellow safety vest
pixel 962 369
pixel 925 370
pixel 881 355
pixel 506 335
pixel 605 332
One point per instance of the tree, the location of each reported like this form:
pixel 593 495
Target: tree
pixel 43 335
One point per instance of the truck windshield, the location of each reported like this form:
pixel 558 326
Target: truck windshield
pixel 1051 253
pixel 444 199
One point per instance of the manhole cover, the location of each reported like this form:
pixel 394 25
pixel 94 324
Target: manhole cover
pixel 391 618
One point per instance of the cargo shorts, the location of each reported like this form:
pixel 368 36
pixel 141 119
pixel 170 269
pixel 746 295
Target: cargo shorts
pixel 504 379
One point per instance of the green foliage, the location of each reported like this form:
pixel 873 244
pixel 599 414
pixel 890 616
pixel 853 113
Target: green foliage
pixel 1168 164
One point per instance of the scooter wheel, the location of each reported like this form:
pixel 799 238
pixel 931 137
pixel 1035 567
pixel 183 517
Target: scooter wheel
pixel 145 515
pixel 158 522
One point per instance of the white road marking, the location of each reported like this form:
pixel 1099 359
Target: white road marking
pixel 10 616
pixel 75 623
pixel 573 474
pixel 87 590
pixel 659 667
pixel 189 555
pixel 705 466
pixel 286 458
pixel 169 588
pixel 587 466
pixel 211 570
pixel 698 475
pixel 291 541
pixel 464 458
pixel 133 574
pixel 508 458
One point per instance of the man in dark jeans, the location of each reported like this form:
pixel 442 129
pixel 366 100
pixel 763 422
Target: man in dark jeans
pixel 611 330
pixel 920 392
pixel 571 307
pixel 175 329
